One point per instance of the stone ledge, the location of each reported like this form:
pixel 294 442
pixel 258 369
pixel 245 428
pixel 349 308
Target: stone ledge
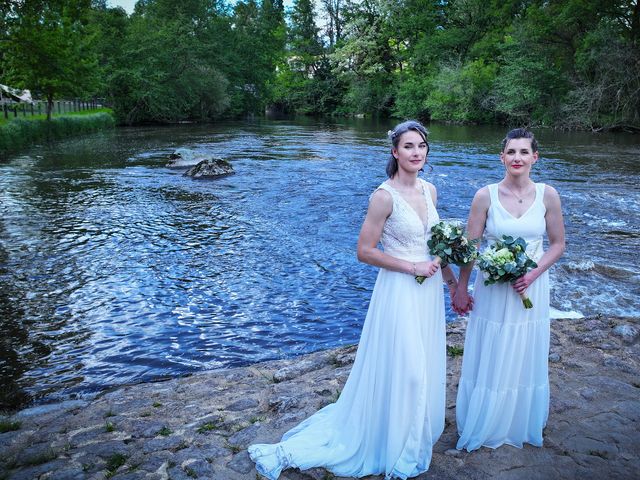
pixel 199 426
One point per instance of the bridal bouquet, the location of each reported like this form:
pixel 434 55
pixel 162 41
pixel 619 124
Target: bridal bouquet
pixel 506 261
pixel 449 245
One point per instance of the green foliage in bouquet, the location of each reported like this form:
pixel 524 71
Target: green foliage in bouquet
pixel 449 243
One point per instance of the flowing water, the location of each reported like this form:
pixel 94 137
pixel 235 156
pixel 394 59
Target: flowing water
pixel 115 269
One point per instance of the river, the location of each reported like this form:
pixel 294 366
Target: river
pixel 115 269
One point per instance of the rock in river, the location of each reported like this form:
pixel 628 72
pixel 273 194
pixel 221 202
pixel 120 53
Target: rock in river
pixel 210 168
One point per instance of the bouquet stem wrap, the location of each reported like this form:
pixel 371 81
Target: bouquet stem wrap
pixel 526 301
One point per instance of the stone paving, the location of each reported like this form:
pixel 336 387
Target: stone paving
pixel 200 426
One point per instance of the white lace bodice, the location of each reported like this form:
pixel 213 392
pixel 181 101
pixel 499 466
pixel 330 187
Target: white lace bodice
pixel 404 235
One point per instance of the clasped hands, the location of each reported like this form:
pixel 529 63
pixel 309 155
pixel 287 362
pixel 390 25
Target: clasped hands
pixel 461 301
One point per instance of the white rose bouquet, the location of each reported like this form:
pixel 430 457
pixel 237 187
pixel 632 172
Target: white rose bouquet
pixel 449 245
pixel 506 261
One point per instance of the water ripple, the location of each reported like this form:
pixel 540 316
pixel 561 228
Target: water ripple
pixel 115 269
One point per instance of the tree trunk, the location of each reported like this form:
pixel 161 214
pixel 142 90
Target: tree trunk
pixel 635 23
pixel 49 105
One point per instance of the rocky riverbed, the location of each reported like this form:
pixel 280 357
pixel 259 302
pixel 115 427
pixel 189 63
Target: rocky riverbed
pixel 200 426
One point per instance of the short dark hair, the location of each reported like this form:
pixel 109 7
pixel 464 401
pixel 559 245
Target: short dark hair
pixel 394 136
pixel 520 133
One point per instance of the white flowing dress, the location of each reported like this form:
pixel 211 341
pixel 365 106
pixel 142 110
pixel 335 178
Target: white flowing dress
pixel 503 393
pixel 391 409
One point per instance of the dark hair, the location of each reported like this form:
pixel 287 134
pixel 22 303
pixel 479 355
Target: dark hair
pixel 394 136
pixel 520 133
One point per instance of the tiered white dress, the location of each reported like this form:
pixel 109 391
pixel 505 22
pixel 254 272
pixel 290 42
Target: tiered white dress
pixel 391 410
pixel 503 393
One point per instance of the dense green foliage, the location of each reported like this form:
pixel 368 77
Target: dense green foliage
pixel 563 63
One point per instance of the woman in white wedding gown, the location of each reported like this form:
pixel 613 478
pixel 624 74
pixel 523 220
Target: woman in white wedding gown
pixel 391 410
pixel 503 393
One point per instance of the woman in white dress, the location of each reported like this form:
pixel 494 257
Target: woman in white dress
pixel 503 393
pixel 391 409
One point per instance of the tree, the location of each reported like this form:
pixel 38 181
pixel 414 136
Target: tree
pixel 165 73
pixel 48 51
pixel 366 60
pixel 333 29
pixel 606 91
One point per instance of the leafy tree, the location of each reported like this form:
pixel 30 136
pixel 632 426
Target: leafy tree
pixel 606 93
pixel 164 73
pixel 48 51
pixel 334 12
pixel 527 89
pixel 460 93
pixel 366 60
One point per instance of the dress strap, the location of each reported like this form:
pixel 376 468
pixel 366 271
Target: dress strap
pixel 493 193
pixel 385 187
pixel 426 192
pixel 390 190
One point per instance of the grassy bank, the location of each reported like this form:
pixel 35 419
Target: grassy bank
pixel 19 132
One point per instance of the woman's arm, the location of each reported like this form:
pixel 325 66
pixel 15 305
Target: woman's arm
pixel 380 207
pixel 555 235
pixel 475 228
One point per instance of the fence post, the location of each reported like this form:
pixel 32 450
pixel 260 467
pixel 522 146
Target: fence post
pixel 15 110
pixel 6 111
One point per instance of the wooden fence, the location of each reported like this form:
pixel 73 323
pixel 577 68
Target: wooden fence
pixel 38 108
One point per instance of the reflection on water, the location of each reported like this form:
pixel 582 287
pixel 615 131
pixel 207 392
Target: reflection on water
pixel 115 269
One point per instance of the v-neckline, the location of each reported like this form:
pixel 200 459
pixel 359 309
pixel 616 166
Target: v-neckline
pixel 535 198
pixel 415 212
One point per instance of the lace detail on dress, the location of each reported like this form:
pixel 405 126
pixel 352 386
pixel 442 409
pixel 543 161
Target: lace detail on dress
pixel 404 234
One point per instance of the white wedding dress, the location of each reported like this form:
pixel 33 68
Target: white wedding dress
pixel 391 410
pixel 503 393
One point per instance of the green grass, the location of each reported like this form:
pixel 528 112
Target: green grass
pixel 20 132
pixel 207 427
pixel 164 431
pixel 43 116
pixel 233 448
pixel 114 462
pixel 109 427
pixel 454 351
pixel 9 426
pixel 190 472
pixel 257 418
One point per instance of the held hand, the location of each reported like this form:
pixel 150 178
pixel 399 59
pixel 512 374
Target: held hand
pixel 426 269
pixel 461 302
pixel 522 283
pixel 456 310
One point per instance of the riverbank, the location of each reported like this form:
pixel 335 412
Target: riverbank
pixel 20 132
pixel 199 426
